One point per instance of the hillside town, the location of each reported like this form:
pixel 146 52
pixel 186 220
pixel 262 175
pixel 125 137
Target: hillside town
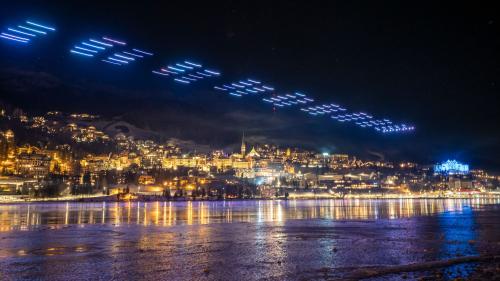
pixel 58 155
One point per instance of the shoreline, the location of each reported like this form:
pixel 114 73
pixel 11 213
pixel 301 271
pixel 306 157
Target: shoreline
pixel 156 198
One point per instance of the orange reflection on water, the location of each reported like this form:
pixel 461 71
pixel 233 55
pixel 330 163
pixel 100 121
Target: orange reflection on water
pixel 28 216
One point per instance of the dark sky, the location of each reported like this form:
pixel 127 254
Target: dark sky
pixel 435 65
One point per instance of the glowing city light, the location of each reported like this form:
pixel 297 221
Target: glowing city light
pixel 451 167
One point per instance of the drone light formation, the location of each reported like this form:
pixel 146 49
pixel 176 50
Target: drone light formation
pixel 187 72
pixel 25 32
pixel 41 25
pixel 114 41
pixel 102 46
pixel 142 52
pixel 21 32
pixel 288 100
pixel 244 87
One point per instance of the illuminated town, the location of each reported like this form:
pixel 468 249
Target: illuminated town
pixel 66 157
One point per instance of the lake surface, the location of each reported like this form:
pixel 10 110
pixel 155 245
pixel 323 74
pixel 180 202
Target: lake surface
pixel 242 240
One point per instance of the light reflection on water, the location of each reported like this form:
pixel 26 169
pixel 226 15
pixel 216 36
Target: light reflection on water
pixel 29 216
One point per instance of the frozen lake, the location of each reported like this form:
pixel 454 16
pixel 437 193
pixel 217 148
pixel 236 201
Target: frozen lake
pixel 243 240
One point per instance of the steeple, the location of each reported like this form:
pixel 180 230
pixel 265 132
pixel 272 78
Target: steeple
pixel 243 146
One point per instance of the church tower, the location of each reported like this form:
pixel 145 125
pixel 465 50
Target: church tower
pixel 243 146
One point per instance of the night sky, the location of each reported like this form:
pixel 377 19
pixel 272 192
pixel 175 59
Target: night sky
pixel 434 65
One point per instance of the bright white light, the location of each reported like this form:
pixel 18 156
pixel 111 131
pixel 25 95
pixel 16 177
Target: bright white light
pixel 192 63
pixel 160 73
pixel 195 76
pixel 123 57
pixel 142 52
pixel 212 72
pixel 21 32
pixel 182 81
pixel 168 71
pixel 31 29
pixel 115 63
pixel 117 60
pixel 80 53
pixel 16 37
pixel 176 69
pixel 85 49
pixel 114 41
pixel 183 66
pixel 203 74
pixel 100 43
pixel 132 54
pixel 93 46
pixel 40 25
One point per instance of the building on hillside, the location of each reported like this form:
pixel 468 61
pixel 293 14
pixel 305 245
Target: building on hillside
pixel 33 165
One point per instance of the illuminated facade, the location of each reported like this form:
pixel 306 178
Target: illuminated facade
pixel 451 167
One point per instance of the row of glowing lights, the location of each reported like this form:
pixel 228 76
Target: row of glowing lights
pixel 93 47
pixel 187 72
pixel 244 87
pixel 361 119
pixel 273 211
pixel 24 33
